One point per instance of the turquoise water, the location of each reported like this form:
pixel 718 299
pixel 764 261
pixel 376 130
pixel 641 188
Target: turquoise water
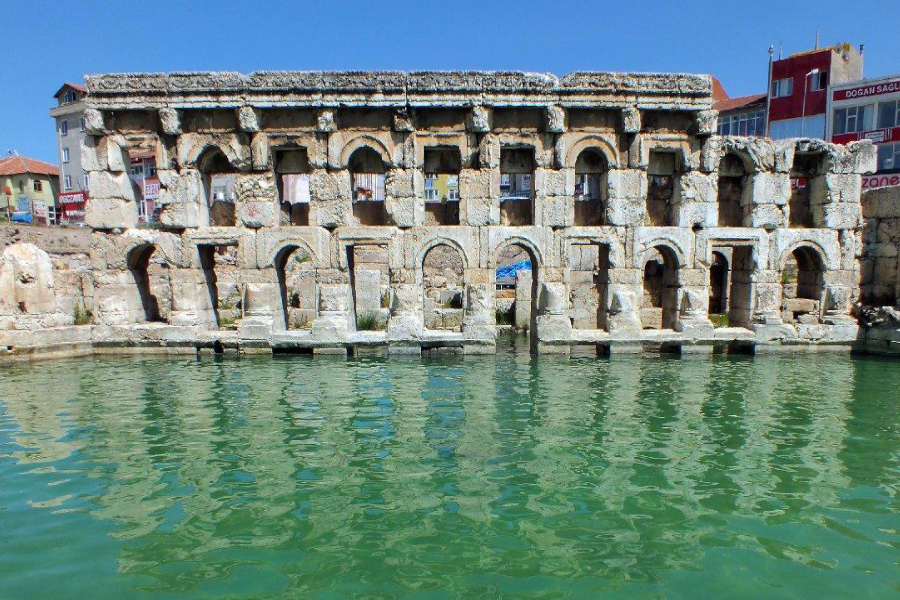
pixel 482 477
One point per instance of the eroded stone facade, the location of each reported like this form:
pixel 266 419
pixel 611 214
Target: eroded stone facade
pixel 636 216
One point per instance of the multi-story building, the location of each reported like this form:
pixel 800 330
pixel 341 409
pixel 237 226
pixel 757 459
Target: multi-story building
pixel 142 172
pixel 69 116
pixel 869 109
pixel 798 89
pixel 744 115
pixel 28 190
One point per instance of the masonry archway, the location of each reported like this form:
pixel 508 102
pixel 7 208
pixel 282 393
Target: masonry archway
pixel 296 273
pixel 591 172
pixel 219 186
pixel 659 307
pixel 367 178
pixel 443 287
pixel 802 286
pixel 516 276
pixel 151 278
pixel 733 179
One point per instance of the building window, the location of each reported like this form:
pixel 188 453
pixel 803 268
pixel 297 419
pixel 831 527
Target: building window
pixel 818 81
pixel 37 185
pixel 888 114
pixel 85 180
pixel 69 97
pixel 854 119
pixel 82 123
pixel 750 124
pixel 64 127
pixel 889 157
pixel 432 195
pixel 65 155
pixel 67 182
pixel 136 170
pixel 782 87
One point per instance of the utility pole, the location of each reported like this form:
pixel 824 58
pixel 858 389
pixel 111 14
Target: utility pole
pixel 769 87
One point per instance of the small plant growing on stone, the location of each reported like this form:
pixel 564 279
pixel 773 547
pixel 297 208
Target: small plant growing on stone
pixel 369 321
pixel 82 315
pixel 386 299
pixel 720 320
pixel 503 317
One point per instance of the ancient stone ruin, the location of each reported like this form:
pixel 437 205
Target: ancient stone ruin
pixel 331 212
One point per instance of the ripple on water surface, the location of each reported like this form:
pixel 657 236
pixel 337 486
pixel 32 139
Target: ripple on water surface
pixel 502 476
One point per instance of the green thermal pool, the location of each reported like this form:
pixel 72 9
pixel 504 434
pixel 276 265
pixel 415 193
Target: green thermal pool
pixel 503 476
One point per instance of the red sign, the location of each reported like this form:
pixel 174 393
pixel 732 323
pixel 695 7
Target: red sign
pixel 872 182
pixel 72 198
pixel 864 91
pixel 878 136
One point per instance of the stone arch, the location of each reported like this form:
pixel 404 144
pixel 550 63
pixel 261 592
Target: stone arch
pixel 433 242
pixel 443 286
pixel 202 150
pixel 802 284
pixel 365 141
pixel 826 259
pixel 734 188
pixel 151 285
pixel 599 142
pixel 286 247
pixel 297 284
pixel 661 287
pixel 670 245
pixel 524 309
pixel 518 240
pixel 217 171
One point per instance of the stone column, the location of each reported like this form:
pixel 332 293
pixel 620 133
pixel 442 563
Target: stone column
pixel 407 320
pixel 553 330
pixel 259 311
pixel 191 302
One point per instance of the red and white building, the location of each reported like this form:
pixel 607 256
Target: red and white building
pixel 869 109
pixel 798 89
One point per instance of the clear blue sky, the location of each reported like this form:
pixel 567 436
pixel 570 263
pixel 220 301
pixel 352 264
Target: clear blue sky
pixel 47 42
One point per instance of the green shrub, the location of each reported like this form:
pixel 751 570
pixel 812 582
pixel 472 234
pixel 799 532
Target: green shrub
pixel 504 317
pixel 82 315
pixel 369 321
pixel 720 320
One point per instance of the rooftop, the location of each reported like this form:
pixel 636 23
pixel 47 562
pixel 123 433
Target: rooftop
pixel 18 165
pixel 739 102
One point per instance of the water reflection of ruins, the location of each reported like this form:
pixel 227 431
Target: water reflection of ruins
pixel 624 469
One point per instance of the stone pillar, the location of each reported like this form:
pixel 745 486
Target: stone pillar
pixel 191 301
pixel 625 293
pixel 332 322
pixel 627 197
pixel 769 195
pixel 259 311
pixel 407 320
pixel 479 321
pixel 553 330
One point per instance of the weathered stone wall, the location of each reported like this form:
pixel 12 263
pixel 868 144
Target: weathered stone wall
pixel 220 271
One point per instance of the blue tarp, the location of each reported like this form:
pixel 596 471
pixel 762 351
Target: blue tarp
pixel 20 217
pixel 511 270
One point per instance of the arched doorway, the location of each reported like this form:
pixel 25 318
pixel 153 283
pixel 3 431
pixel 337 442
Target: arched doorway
pixel 219 187
pixel 444 288
pixel 297 287
pixel 732 181
pixel 719 276
pixel 802 284
pixel 659 307
pixel 804 170
pixel 516 278
pixel 152 280
pixel 367 173
pixel 590 187
pixel 588 286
